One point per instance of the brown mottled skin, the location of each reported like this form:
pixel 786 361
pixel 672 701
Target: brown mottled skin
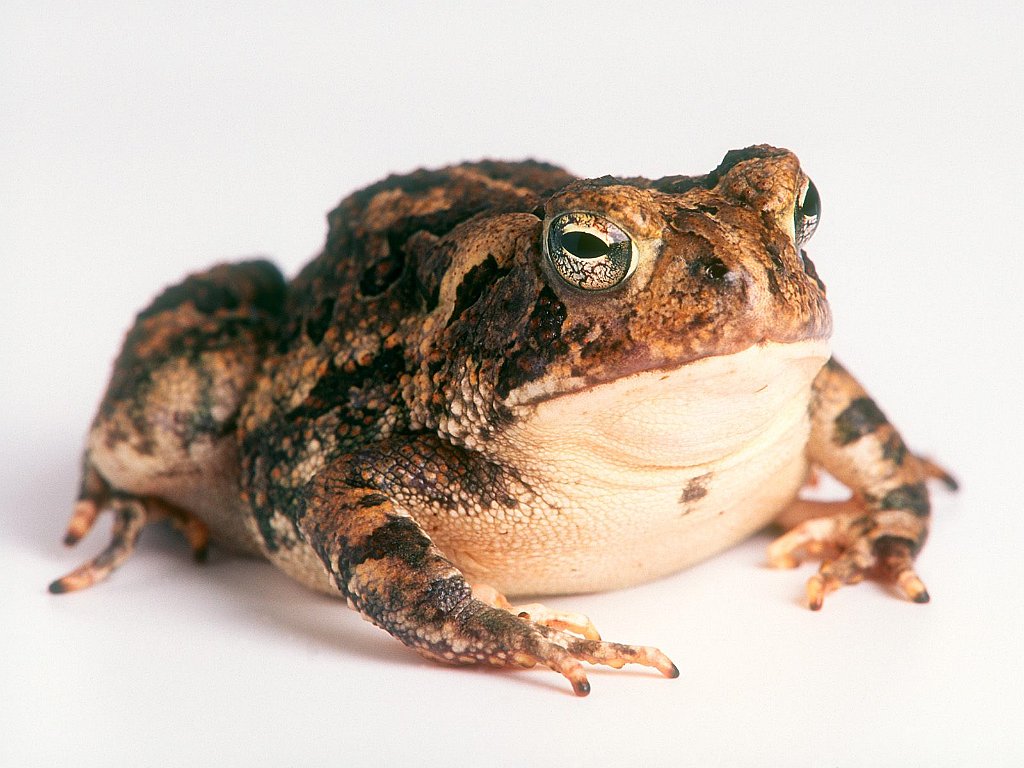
pixel 380 427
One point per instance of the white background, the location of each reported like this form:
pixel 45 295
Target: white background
pixel 141 141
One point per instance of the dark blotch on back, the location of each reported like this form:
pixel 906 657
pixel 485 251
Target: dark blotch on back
pixel 473 285
pixel 861 417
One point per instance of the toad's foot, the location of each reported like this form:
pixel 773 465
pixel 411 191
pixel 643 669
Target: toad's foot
pixel 565 621
pixel 852 545
pixel 884 524
pixel 483 634
pixel 131 515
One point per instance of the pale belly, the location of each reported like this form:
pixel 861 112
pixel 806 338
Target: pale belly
pixel 636 492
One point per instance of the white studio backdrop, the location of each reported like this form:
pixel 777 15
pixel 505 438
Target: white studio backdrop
pixel 141 141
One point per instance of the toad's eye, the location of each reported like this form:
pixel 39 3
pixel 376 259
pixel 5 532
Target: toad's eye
pixel 808 211
pixel 590 252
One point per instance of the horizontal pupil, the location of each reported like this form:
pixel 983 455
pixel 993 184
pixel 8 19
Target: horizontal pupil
pixel 811 207
pixel 584 245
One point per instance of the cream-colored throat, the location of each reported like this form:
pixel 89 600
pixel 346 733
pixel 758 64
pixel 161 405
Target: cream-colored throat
pixel 683 417
pixel 631 480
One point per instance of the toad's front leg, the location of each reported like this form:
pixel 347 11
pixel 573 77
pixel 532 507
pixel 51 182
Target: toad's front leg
pixel 388 568
pixel 880 530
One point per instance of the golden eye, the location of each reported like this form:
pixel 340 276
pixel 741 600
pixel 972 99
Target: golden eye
pixel 808 211
pixel 590 252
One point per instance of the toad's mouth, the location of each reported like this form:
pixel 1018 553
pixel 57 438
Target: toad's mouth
pixel 646 375
pixel 689 414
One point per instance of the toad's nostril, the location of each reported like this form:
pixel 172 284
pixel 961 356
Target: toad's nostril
pixel 711 268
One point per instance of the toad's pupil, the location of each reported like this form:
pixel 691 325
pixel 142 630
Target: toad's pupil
pixel 584 245
pixel 811 207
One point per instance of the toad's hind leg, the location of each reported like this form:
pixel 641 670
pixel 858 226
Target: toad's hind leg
pixel 163 444
pixel 131 515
